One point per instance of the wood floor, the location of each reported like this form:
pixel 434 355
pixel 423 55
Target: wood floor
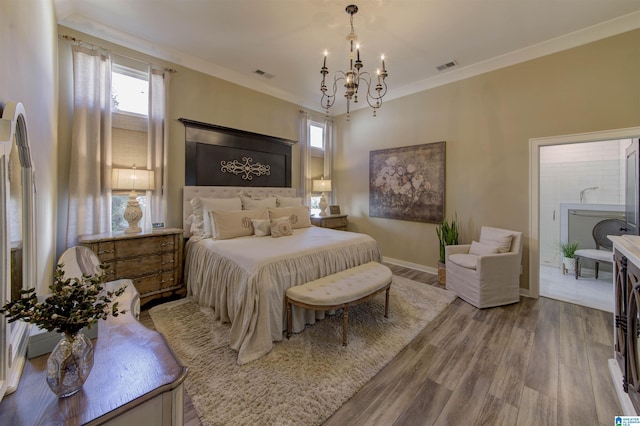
pixel 537 362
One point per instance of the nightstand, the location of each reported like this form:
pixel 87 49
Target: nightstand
pixel 151 259
pixel 334 221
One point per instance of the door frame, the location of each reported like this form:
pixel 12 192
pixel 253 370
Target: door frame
pixel 534 189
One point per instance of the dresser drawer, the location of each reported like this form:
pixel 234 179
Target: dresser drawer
pixel 138 266
pixel 144 246
pixel 155 282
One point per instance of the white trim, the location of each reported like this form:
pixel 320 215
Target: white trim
pixel 417 267
pixel 534 188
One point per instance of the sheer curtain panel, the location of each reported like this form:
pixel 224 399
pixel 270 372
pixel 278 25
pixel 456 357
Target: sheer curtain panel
pixel 304 189
pixel 90 163
pixel 158 143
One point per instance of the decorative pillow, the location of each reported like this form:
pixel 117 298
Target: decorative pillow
pixel 201 224
pixel 234 223
pixel 251 203
pixel 300 216
pixel 280 227
pixel 497 237
pixel 289 201
pixel 482 249
pixel 261 227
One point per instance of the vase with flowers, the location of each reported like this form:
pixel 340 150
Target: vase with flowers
pixel 75 303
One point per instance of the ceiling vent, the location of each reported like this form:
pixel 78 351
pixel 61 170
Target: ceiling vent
pixel 448 65
pixel 263 74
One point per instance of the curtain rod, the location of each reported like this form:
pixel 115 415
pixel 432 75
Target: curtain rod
pixel 80 42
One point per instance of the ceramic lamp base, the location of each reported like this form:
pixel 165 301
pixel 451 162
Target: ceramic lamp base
pixel 133 214
pixel 323 205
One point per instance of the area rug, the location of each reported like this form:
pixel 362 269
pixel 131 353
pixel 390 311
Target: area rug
pixel 303 380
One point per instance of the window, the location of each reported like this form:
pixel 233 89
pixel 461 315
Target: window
pixel 130 146
pixel 316 136
pixel 317 150
pixel 129 90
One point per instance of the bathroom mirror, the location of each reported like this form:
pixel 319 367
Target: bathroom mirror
pixel 17 241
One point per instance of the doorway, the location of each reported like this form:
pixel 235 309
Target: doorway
pixel 548 224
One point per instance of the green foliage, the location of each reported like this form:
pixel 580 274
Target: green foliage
pixel 568 249
pixel 75 303
pixel 447 234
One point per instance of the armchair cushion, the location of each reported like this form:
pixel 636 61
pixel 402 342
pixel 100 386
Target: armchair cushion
pixel 481 249
pixel 495 236
pixel 469 261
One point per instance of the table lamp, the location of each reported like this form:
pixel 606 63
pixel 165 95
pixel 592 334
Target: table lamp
pixel 322 185
pixel 132 179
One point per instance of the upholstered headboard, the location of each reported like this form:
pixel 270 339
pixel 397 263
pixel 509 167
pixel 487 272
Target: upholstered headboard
pixel 224 192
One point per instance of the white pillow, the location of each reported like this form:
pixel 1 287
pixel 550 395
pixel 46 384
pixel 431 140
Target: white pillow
pixel 498 237
pixel 482 249
pixel 299 217
pixel 234 223
pixel 261 227
pixel 289 201
pixel 252 203
pixel 280 227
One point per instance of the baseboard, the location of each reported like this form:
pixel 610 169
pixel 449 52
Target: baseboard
pixel 417 267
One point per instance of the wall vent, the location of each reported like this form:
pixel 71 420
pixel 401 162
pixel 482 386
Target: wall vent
pixel 448 65
pixel 263 74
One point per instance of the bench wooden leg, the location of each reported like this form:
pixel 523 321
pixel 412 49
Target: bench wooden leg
pixel 289 319
pixel 386 303
pixel 345 325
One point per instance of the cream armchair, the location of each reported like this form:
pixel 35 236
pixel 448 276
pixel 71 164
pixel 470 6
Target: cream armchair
pixel 486 273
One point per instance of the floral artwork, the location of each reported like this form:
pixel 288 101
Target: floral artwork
pixel 407 183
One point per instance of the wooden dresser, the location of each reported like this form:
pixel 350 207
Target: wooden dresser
pixel 152 260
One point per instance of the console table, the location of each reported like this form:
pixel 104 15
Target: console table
pixel 136 379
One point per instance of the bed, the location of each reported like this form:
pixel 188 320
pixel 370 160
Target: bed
pixel 244 279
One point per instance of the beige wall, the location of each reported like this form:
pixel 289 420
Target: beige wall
pixel 28 74
pixel 487 122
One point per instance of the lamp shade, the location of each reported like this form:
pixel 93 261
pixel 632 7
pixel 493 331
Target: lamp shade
pixel 132 179
pixel 322 185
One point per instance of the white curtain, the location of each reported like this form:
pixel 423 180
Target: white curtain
pixel 304 190
pixel 90 164
pixel 328 158
pixel 158 144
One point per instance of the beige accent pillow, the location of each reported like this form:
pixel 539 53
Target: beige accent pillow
pixel 482 249
pixel 498 237
pixel 261 227
pixel 280 227
pixel 234 223
pixel 300 216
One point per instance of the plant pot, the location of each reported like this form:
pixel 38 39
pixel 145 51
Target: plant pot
pixel 442 273
pixel 69 364
pixel 568 265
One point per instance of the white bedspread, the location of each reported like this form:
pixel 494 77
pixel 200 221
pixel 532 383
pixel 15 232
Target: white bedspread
pixel 244 279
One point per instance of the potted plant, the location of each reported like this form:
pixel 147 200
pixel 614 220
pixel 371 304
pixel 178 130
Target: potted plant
pixel 568 251
pixel 447 235
pixel 74 303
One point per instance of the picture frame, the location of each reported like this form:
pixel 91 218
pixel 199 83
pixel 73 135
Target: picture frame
pixel 334 209
pixel 408 183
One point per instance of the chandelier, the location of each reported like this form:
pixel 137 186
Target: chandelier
pixel 354 79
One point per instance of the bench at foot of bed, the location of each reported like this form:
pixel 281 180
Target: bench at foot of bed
pixel 341 290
